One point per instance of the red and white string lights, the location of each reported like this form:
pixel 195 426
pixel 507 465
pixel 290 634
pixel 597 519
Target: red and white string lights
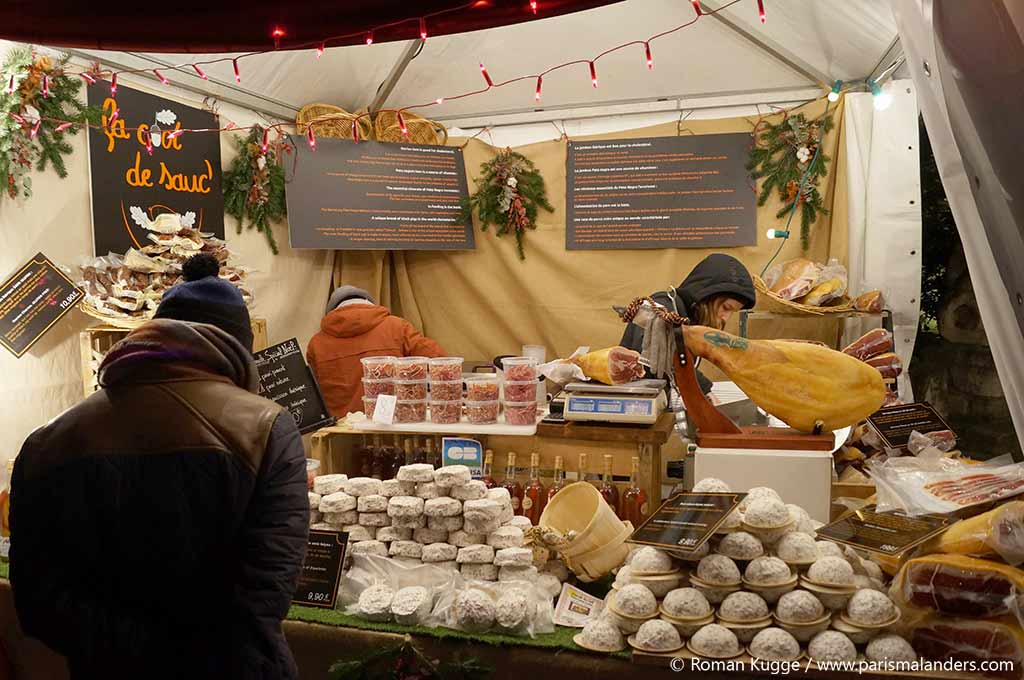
pixel 278 33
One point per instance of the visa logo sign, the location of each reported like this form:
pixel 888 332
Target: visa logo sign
pixel 459 451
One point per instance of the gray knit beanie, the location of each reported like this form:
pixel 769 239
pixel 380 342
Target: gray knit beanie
pixel 342 293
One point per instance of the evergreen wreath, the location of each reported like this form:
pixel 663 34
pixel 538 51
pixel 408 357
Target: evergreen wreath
pixel 509 192
pixel 35 94
pixel 406 662
pixel 254 185
pixel 784 156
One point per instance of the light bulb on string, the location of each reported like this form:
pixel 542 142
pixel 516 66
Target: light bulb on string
pixel 16 117
pixel 149 144
pixel 161 77
pixel 319 50
pixel 696 6
pixel 837 86
pixel 62 127
pixel 310 138
pixel 487 77
pixel 113 84
pixel 760 12
pixel 85 76
pixel 593 75
pixel 402 126
pixel 238 74
pixel 647 53
pixel 439 100
pixel 777 233
pixel 536 95
pixel 369 37
pixel 266 141
pixel 10 85
pixel 114 116
pixel 35 129
pixel 533 6
pixel 423 28
pixel 46 86
pixel 355 130
pixel 277 34
pixel 880 100
pixel 199 72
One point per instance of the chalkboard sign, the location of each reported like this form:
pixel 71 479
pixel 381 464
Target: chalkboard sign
pixel 660 192
pixel 286 379
pixel 686 521
pixel 321 572
pixel 374 195
pixel 33 299
pixel 131 186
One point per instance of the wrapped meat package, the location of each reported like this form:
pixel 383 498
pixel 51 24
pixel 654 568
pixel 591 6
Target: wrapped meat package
pixel 874 342
pixel 943 440
pixel 611 366
pixel 888 364
pixel 922 485
pixel 958 585
pixel 998 532
pixel 939 638
pixel 829 288
pixel 793 279
pixel 873 301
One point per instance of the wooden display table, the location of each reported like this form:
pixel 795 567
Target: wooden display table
pixel 337 447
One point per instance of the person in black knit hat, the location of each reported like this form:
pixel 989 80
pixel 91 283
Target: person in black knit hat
pixel 179 499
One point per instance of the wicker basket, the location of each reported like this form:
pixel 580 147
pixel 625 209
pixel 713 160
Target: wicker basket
pixel 332 121
pixel 116 321
pixel 770 302
pixel 421 130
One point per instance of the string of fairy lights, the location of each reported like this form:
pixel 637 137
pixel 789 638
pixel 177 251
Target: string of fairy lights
pixel 96 74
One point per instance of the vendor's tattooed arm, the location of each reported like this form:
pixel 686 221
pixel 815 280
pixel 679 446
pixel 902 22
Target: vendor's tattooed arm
pixel 720 339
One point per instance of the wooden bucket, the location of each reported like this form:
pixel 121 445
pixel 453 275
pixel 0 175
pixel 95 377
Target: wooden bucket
pixel 590 566
pixel 598 536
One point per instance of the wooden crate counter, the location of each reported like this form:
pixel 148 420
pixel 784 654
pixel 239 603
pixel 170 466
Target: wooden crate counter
pixel 337 449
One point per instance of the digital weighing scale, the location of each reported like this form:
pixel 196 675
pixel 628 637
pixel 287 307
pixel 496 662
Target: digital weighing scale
pixel 638 402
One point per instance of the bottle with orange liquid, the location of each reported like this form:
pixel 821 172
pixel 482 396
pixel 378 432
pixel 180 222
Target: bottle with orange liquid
pixel 534 497
pixel 633 506
pixel 607 488
pixel 488 472
pixel 515 489
pixel 558 482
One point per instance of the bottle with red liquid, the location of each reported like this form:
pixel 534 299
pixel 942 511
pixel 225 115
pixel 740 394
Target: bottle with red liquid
pixel 558 482
pixel 396 459
pixel 607 488
pixel 419 454
pixel 381 453
pixel 633 506
pixel 433 453
pixel 488 471
pixel 534 496
pixel 366 455
pixel 515 489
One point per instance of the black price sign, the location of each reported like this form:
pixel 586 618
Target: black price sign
pixel 690 191
pixel 687 520
pixel 131 186
pixel 33 299
pixel 321 572
pixel 894 424
pixel 286 379
pixel 374 195
pixel 888 533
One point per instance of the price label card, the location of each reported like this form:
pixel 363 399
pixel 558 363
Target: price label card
pixel 575 608
pixel 686 521
pixel 384 411
pixel 321 572
pixel 468 452
pixel 888 533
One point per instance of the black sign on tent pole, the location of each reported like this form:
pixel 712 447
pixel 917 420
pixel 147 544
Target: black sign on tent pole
pixel 286 379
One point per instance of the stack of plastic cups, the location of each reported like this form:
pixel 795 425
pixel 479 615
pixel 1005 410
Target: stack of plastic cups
pixel 445 375
pixel 378 379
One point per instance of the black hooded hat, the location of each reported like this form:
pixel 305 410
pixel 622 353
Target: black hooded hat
pixel 716 274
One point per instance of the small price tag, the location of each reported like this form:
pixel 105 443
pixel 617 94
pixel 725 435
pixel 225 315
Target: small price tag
pixel 575 607
pixel 5 546
pixel 384 412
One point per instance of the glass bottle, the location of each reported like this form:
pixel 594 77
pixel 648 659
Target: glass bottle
pixel 377 458
pixel 633 506
pixel 366 455
pixel 515 489
pixel 488 471
pixel 558 481
pixel 396 459
pixel 419 454
pixel 410 453
pixel 608 491
pixel 433 456
pixel 581 472
pixel 533 495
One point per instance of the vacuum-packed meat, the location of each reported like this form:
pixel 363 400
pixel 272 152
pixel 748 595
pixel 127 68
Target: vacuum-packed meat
pixel 877 341
pixel 958 585
pixel 888 364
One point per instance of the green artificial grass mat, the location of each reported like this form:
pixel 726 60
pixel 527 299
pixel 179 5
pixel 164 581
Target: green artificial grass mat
pixel 5 569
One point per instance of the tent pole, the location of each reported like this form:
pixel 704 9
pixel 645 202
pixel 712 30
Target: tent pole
pixel 388 86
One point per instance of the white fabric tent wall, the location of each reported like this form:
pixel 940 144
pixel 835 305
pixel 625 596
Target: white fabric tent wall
pixel 884 188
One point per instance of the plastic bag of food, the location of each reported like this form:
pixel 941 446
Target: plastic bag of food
pixel 943 440
pixel 829 287
pixel 511 607
pixel 388 578
pixel 919 486
pixel 872 301
pixel 793 279
pixel 996 533
pixel 941 638
pixel 872 343
pixel 958 585
pixel 564 371
pixel 888 364
pixel 611 366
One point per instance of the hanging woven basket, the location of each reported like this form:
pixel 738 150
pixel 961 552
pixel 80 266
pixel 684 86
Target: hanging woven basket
pixel 332 121
pixel 420 130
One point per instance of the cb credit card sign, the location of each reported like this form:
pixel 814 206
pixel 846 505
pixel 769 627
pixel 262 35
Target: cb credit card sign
pixel 468 452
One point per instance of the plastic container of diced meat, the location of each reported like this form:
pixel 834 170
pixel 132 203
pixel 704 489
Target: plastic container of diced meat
pixel 446 391
pixel 519 369
pixel 312 471
pixel 445 412
pixel 414 411
pixel 482 388
pixel 411 368
pixel 378 368
pixel 445 369
pixel 520 391
pixel 482 412
pixel 411 390
pixel 369 406
pixel 375 388
pixel 520 412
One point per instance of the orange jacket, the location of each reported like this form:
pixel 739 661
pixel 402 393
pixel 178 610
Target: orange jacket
pixel 348 334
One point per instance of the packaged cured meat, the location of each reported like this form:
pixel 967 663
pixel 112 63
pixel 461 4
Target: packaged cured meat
pixel 519 369
pixel 375 388
pixel 482 412
pixel 793 279
pixel 958 585
pixel 923 485
pixel 411 411
pixel 888 364
pixel 877 341
pixel 998 532
pixel 378 368
pixel 446 391
pixel 445 412
pixel 939 638
pixel 482 388
pixel 411 368
pixel 943 440
pixel 520 391
pixel 873 301
pixel 445 369
pixel 521 413
pixel 829 287
pixel 611 366
pixel 411 390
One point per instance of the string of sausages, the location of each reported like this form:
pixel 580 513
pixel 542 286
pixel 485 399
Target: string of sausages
pixel 673 319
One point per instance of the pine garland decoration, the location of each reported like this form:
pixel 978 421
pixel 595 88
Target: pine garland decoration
pixel 510 192
pixel 29 109
pixel 254 185
pixel 406 662
pixel 781 155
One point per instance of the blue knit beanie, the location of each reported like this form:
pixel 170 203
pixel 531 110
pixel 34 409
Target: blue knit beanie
pixel 206 298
